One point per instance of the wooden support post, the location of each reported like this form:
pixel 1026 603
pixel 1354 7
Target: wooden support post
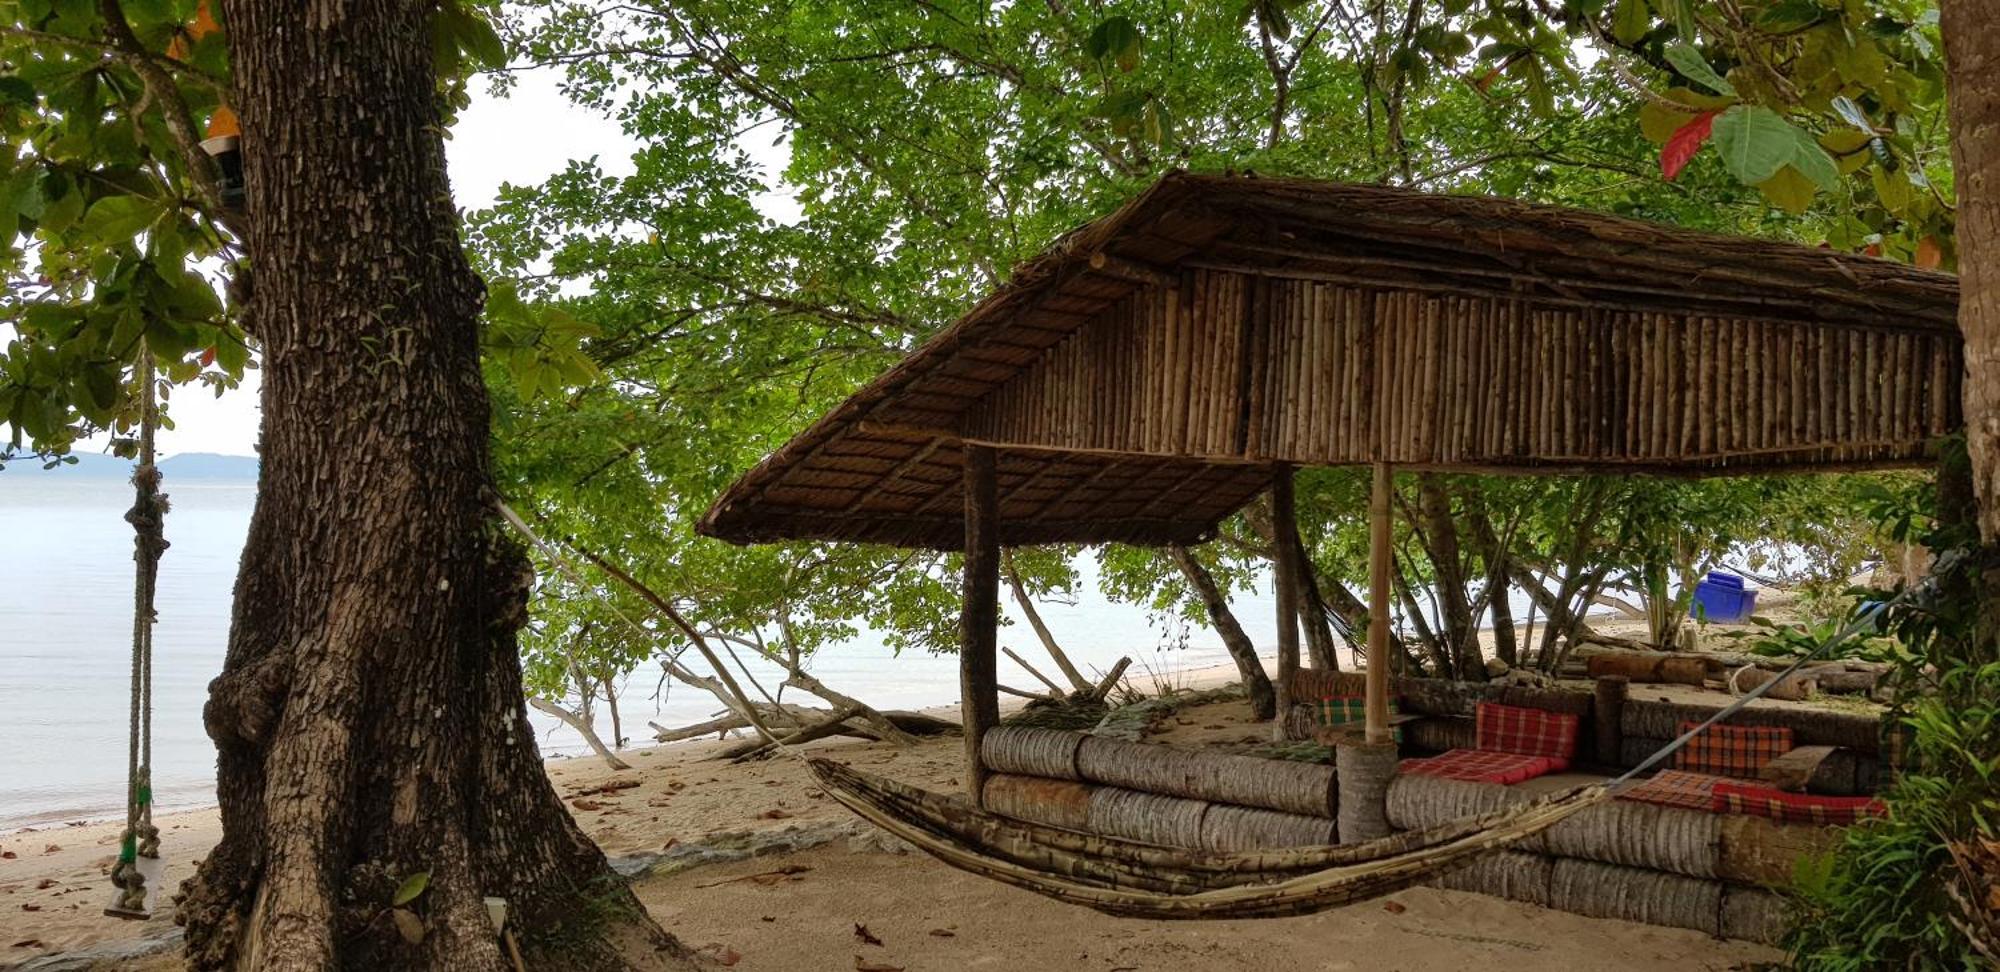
pixel 1285 568
pixel 979 617
pixel 1379 541
pixel 1607 716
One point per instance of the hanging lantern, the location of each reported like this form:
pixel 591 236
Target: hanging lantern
pixel 223 138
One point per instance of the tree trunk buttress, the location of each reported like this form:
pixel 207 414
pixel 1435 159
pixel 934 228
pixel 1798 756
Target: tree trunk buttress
pixel 369 719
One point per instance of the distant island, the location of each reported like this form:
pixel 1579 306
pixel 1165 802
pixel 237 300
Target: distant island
pixel 207 467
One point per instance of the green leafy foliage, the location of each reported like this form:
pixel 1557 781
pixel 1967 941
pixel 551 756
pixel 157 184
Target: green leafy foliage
pixel 116 245
pixel 1897 891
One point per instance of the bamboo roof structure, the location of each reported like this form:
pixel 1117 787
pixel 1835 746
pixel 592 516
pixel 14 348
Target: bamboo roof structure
pixel 1139 380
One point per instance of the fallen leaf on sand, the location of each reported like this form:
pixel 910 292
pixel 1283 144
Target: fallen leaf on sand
pixel 943 933
pixel 864 936
pixel 52 848
pixel 863 965
pixel 7 855
pixel 774 814
pixel 768 918
pixel 45 884
pixel 721 954
pixel 1394 907
pixel 1215 725
pixel 31 907
pixel 669 845
pixel 30 943
pixel 586 804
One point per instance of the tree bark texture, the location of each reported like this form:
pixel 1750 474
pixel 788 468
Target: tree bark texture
pixel 979 614
pixel 1256 684
pixel 1972 50
pixel 369 719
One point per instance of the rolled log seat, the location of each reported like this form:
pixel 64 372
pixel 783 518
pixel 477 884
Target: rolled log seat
pixel 1270 784
pixel 1513 875
pixel 1635 894
pixel 1031 752
pixel 1151 817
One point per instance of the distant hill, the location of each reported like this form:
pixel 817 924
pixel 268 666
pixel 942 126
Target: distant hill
pixel 206 467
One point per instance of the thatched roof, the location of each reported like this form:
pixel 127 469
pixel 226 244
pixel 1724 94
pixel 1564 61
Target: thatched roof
pixel 1141 375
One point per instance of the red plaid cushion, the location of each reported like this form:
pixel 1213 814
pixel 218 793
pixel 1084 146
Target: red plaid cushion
pixel 1762 801
pixel 1483 766
pixel 1738 751
pixel 1530 732
pixel 1677 788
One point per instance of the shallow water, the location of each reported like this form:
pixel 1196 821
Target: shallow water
pixel 66 628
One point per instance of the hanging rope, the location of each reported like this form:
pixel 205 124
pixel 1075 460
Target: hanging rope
pixel 148 519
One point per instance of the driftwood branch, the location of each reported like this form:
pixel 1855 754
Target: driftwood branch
pixel 1055 691
pixel 1076 680
pixel 583 729
pixel 1110 680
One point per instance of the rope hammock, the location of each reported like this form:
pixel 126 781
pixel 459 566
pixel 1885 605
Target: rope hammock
pixel 1134 879
pixel 139 872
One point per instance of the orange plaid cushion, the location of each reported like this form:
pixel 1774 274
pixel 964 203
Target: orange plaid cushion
pixel 1677 788
pixel 1483 766
pixel 1530 732
pixel 1738 751
pixel 1762 801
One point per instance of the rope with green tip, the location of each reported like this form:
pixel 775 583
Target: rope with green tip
pixel 148 519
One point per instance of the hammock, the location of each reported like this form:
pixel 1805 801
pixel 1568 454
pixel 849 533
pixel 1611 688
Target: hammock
pixel 1138 880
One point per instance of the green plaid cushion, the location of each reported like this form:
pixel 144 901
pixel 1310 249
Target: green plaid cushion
pixel 1341 710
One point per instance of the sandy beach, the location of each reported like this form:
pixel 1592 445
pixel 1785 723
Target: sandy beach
pixel 758 866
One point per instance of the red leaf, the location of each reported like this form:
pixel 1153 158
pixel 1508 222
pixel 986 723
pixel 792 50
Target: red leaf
pixel 208 356
pixel 1929 254
pixel 1684 143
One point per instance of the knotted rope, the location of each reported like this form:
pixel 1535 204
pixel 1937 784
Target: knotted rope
pixel 148 519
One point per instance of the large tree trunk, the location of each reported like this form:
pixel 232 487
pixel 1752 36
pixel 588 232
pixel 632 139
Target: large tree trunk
pixel 1972 49
pixel 1256 684
pixel 369 719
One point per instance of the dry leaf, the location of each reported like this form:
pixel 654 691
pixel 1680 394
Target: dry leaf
pixel 586 804
pixel 52 848
pixel 768 918
pixel 45 884
pixel 31 907
pixel 30 943
pixel 7 855
pixel 408 925
pixel 774 814
pixel 864 936
pixel 863 965
pixel 669 845
pixel 1394 907
pixel 721 954
pixel 943 933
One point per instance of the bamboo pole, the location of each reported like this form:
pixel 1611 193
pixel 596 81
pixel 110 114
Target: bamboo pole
pixel 1285 528
pixel 978 633
pixel 1377 708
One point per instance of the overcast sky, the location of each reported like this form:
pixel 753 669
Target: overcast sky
pixel 520 139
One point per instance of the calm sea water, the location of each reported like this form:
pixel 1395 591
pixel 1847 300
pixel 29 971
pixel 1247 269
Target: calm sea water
pixel 65 648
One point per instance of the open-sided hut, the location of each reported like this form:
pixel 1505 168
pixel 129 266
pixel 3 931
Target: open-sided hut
pixel 1155 370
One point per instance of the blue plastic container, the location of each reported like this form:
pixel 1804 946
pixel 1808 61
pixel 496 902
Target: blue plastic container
pixel 1721 598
